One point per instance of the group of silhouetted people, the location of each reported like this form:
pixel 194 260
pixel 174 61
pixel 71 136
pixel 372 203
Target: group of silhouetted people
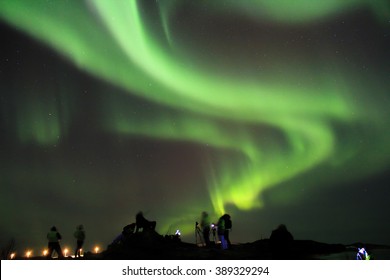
pixel 54 238
pixel 280 239
pixel 223 228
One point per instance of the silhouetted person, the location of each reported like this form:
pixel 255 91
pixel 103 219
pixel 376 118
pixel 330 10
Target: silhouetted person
pixel 128 230
pixel 221 232
pixel 228 227
pixel 143 223
pixel 205 225
pixel 281 240
pixel 125 235
pixel 79 234
pixel 54 238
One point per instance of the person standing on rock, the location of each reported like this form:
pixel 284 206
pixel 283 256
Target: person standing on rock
pixel 54 237
pixel 221 232
pixel 79 234
pixel 228 228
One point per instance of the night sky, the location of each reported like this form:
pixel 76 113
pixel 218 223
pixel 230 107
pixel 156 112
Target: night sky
pixel 274 111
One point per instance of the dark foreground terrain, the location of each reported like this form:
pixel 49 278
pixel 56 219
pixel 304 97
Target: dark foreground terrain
pixel 150 245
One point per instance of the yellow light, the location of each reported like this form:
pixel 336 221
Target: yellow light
pixel 97 249
pixel 45 252
pixel 66 252
pixel 12 256
pixel 28 254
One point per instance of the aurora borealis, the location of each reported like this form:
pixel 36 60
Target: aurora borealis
pixel 272 111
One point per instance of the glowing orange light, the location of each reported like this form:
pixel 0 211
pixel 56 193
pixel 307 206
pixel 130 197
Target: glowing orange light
pixel 45 252
pixel 12 256
pixel 66 252
pixel 97 249
pixel 28 254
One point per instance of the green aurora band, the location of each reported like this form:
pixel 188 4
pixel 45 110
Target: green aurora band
pixel 142 53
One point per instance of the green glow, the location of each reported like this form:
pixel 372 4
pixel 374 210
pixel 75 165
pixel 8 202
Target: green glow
pixel 40 123
pixel 286 11
pixel 111 40
pixel 300 11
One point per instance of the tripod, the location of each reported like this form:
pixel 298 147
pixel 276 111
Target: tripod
pixel 214 230
pixel 198 235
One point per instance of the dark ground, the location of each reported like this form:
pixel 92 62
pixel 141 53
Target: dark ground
pixel 151 246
